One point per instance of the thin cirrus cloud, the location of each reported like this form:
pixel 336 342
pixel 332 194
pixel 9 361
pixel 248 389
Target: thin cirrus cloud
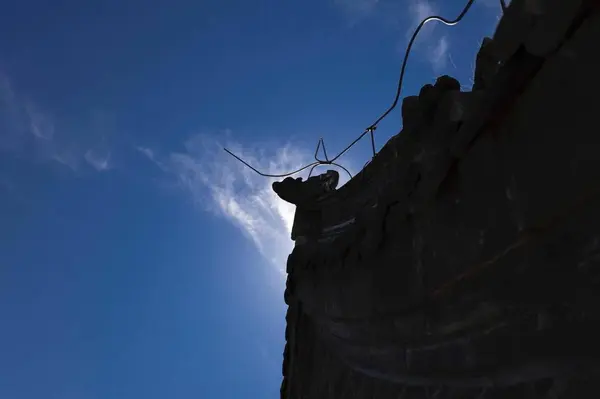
pixel 418 10
pixel 438 54
pixel 149 153
pixel 98 160
pixel 31 133
pixel 432 45
pixel 220 184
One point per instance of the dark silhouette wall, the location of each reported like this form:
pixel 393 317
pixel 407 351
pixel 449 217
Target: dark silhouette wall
pixel 463 260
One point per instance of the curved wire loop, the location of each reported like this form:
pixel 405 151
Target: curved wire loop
pixel 329 163
pixel 371 129
pixel 267 174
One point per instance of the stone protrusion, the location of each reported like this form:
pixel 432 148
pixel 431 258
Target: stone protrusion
pixel 447 83
pixel 411 112
pixel 428 97
pixel 298 192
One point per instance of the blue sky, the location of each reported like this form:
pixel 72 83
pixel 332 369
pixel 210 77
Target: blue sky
pixel 138 260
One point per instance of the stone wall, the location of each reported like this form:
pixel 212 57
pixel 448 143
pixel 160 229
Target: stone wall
pixel 463 260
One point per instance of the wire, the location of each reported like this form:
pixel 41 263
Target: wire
pixel 373 126
pixel 409 48
pixel 267 174
pixel 332 163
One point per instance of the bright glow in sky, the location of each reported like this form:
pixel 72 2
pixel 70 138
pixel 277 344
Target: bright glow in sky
pixel 137 259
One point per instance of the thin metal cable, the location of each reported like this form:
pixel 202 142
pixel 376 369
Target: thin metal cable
pixel 332 163
pixel 267 174
pixel 373 126
pixel 409 48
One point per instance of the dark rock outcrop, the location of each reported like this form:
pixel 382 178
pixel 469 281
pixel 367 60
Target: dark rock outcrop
pixel 464 260
pixel 300 192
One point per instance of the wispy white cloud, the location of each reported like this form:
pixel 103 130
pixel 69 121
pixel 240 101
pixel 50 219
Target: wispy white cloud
pixel 421 9
pixel 31 132
pixel 100 161
pixel 438 54
pixel 146 151
pixel 418 10
pixel 149 153
pixel 40 124
pixel 413 12
pixel 222 185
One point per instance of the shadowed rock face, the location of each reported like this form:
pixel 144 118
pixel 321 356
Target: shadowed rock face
pixel 463 261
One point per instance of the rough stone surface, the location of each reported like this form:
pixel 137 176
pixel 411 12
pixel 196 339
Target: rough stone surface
pixel 447 83
pixel 514 27
pixel 464 260
pixel 486 65
pixel 556 17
